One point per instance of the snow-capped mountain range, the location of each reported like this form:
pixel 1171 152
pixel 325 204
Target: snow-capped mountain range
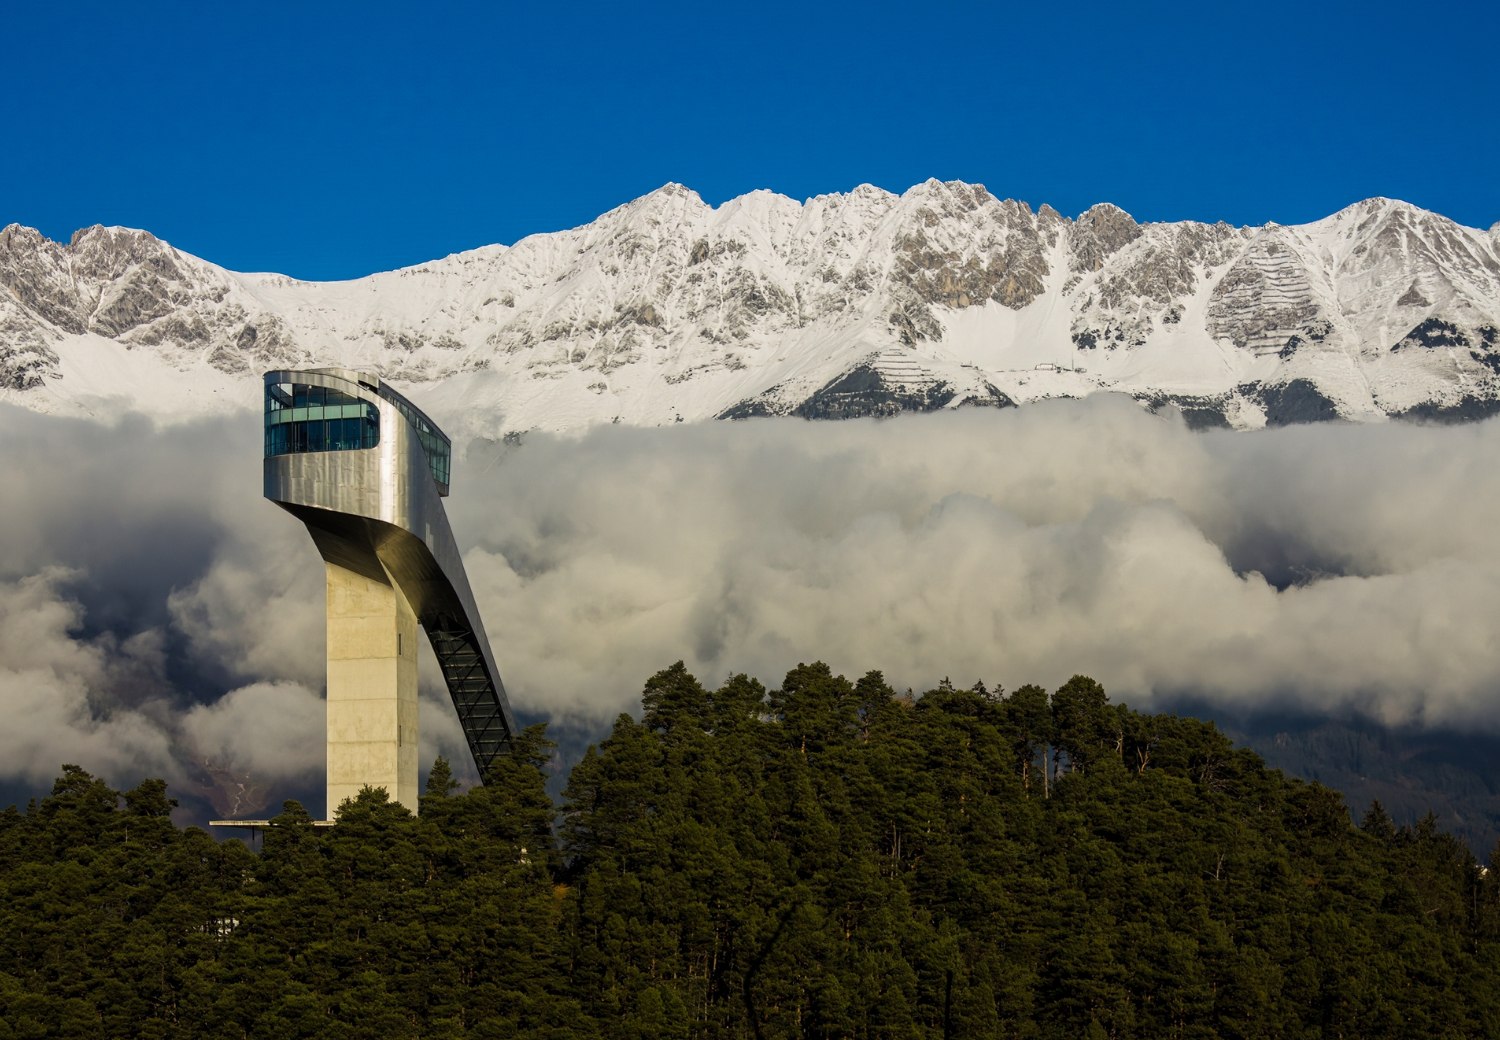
pixel 667 309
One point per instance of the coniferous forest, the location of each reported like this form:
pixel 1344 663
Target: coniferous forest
pixel 827 859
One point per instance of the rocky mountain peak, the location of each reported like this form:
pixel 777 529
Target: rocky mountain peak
pixel 670 195
pixel 1103 212
pixel 101 253
pixel 670 205
pixel 1376 214
pixel 17 237
pixel 843 304
pixel 1098 233
pixel 950 196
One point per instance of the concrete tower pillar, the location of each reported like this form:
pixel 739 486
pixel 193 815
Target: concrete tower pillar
pixel 372 688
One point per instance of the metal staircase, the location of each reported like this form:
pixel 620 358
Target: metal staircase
pixel 477 696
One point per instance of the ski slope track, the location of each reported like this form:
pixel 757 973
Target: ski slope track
pixel 667 309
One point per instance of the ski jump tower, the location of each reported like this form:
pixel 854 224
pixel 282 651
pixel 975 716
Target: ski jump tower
pixel 367 472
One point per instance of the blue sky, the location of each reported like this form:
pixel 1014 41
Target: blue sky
pixel 330 140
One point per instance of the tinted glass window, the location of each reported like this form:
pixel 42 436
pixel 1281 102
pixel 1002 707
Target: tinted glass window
pixel 301 417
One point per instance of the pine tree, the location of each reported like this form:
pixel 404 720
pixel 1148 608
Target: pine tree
pixel 1028 716
pixel 440 782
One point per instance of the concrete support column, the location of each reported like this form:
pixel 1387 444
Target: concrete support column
pixel 372 689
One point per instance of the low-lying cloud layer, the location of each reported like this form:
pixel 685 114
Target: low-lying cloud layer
pixel 156 613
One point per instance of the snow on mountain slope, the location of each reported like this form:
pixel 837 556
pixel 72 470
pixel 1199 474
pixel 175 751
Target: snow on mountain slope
pixel 667 309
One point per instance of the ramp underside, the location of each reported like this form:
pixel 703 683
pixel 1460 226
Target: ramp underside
pixel 384 552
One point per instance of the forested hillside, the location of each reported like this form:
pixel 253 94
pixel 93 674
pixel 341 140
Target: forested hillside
pixel 828 859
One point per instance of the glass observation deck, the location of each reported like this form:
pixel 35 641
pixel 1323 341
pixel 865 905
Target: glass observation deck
pixel 301 417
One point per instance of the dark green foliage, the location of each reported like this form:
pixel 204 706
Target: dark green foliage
pixel 844 862
pixel 827 859
pixel 440 782
pixel 114 923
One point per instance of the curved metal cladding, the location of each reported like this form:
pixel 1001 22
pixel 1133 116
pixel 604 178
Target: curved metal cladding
pixel 378 511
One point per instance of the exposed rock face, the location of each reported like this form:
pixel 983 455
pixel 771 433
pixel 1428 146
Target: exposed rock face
pixel 128 286
pixel 1266 297
pixel 34 271
pixel 962 247
pixel 859 303
pixel 1100 232
pixel 1146 286
pixel 26 359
